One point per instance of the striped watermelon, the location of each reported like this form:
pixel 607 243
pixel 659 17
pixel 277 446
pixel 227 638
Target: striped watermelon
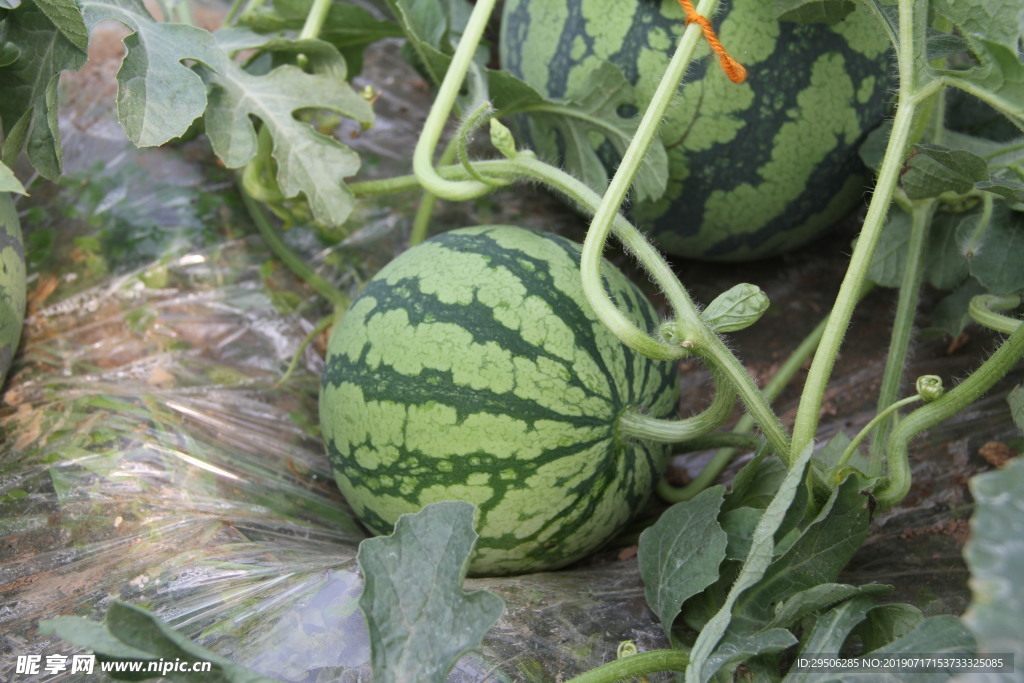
pixel 471 368
pixel 12 282
pixel 754 169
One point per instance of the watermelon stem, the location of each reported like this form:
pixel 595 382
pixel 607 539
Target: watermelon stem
pixel 952 402
pixel 634 424
pixel 614 196
pixel 607 218
pixel 339 300
pixel 430 136
pixel 425 210
pixel 635 665
pixel 809 410
pixel 902 329
pixel 983 310
pixel 779 381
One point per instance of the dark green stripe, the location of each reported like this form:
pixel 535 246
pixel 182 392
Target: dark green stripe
pixel 539 282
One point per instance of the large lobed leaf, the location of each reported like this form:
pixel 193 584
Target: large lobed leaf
pixel 171 75
pixel 995 555
pixel 703 663
pixel 37 50
pixel 132 634
pixel 679 555
pixel 419 617
pixel 159 97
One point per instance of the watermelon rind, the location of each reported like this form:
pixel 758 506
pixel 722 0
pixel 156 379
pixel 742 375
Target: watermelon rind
pixel 471 368
pixel 755 169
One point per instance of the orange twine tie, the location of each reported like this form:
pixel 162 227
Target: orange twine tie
pixel 733 69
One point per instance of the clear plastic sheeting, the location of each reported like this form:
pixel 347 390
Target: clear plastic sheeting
pixel 151 456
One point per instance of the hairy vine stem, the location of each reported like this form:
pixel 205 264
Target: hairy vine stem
pixel 903 325
pixel 809 411
pixel 953 401
pixel 782 377
pixel 632 423
pixel 615 195
pixel 298 265
pixel 423 155
pixel 984 310
pixel 635 665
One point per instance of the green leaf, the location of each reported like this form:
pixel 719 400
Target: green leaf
pixel 819 598
pixel 679 555
pixel 941 635
pixel 739 525
pixel 950 315
pixel 9 54
pixel 307 162
pixel 998 21
pixel 946 264
pixel 890 255
pixel 886 623
pixel 158 97
pixel 758 561
pixel 605 106
pixel 349 28
pixel 998 80
pixel 432 29
pixel 132 634
pixel 818 555
pixel 1016 401
pixel 9 182
pixel 1005 188
pixel 420 619
pixel 995 556
pixel 736 648
pixel 813 11
pixel 832 628
pixel 66 18
pixel 757 483
pixel 737 308
pixel 933 170
pixel 996 256
pixel 28 108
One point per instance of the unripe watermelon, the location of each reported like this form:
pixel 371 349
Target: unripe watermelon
pixel 12 282
pixel 754 169
pixel 471 368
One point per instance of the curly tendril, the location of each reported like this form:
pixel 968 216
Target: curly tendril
pixel 929 387
pixel 627 648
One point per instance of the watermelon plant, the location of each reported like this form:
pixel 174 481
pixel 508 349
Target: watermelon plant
pixel 520 374
pixel 471 369
pixel 754 169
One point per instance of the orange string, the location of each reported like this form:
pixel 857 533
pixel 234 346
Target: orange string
pixel 733 69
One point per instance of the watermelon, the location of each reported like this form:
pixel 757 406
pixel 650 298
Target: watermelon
pixel 12 282
pixel 755 169
pixel 471 368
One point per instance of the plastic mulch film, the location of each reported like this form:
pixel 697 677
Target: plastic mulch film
pixel 150 456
